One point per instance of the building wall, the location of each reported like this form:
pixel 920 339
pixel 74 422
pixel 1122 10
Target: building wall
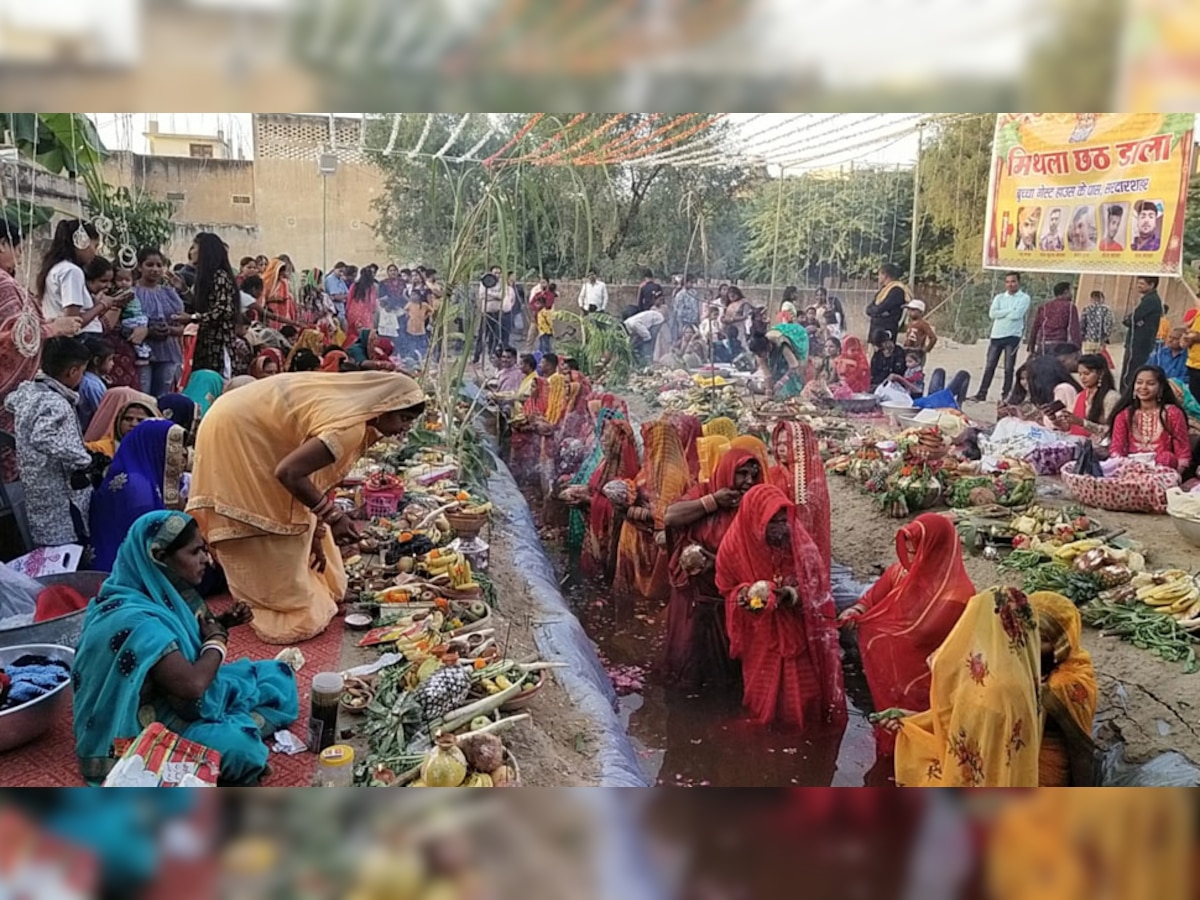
pixel 166 144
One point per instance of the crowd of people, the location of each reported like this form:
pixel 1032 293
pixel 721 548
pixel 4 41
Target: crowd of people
pixel 137 397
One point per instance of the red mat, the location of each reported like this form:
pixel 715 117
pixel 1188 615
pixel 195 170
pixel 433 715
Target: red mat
pixel 50 761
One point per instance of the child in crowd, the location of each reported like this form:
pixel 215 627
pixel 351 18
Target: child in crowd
pixel 913 379
pixel 93 385
pixel 241 354
pixel 887 360
pixel 417 310
pixel 55 465
pixel 545 319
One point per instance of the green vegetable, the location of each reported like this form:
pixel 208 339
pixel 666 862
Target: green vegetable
pixel 1145 628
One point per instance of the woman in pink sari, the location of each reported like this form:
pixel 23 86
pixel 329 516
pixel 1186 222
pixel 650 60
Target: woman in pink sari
pixel 362 303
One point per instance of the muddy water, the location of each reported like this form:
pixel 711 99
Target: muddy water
pixel 706 739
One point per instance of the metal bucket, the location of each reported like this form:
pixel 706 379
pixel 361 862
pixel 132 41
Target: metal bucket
pixel 31 720
pixel 65 630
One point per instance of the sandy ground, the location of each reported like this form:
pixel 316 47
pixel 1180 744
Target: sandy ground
pixel 556 747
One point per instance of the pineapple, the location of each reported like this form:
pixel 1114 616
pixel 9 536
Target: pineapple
pixel 444 691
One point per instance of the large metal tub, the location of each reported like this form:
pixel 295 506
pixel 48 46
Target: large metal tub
pixel 29 721
pixel 65 630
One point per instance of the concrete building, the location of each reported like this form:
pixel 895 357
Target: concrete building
pixel 279 202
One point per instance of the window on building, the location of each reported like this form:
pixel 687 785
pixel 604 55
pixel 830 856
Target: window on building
pixel 200 151
pixel 176 196
pixel 241 198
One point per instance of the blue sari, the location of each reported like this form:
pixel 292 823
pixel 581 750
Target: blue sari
pixel 143 613
pixel 788 383
pixel 143 477
pixel 180 409
pixel 204 387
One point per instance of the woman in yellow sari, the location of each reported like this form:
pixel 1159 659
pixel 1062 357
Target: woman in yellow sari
pixel 1069 693
pixel 642 561
pixel 267 456
pixel 983 727
pixel 722 426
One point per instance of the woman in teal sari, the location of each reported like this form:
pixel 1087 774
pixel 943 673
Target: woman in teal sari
pixel 152 652
pixel 577 519
pixel 782 354
pixel 204 386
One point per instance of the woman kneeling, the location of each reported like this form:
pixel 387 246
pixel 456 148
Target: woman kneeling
pixel 151 652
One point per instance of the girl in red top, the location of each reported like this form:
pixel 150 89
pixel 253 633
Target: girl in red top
pixel 1149 420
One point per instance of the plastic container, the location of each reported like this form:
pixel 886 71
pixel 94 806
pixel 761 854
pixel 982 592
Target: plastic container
pixel 335 768
pixel 327 690
pixel 380 504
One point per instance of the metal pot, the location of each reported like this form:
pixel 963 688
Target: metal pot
pixel 29 721
pixel 64 630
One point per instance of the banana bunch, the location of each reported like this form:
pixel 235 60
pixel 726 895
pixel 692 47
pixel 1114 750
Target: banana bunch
pixel 480 509
pixel 1068 552
pixel 453 565
pixel 1173 592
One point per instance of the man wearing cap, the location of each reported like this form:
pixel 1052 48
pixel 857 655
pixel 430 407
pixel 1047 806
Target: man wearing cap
pixel 919 334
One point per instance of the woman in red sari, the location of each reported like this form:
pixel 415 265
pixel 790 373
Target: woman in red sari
pixel 620 463
pixel 907 614
pixel 641 562
pixel 697 650
pixel 800 474
pixel 852 367
pixel 577 420
pixel 780 614
pixel 525 445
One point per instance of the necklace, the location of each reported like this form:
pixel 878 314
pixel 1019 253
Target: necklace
pixel 1147 428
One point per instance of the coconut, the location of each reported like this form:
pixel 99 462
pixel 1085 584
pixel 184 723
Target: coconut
pixel 981 496
pixel 484 752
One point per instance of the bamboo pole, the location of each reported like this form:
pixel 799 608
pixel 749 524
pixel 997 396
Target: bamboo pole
pixel 775 248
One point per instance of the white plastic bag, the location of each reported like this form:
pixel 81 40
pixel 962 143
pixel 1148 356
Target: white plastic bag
pixel 893 393
pixel 18 593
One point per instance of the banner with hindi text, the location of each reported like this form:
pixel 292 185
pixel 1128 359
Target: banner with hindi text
pixel 1099 193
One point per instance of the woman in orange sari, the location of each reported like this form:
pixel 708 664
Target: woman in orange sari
pixel 800 474
pixel 577 419
pixel 1069 695
pixel 277 297
pixel 780 614
pixel 853 367
pixel 697 651
pixel 907 613
pixel 690 430
pixel 641 562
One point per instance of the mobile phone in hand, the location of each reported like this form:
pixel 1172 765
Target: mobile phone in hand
pixel 1055 408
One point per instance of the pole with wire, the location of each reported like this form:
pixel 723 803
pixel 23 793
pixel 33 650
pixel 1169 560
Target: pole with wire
pixel 916 222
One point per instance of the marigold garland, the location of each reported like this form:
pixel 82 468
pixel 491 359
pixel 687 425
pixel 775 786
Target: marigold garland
pixel 555 157
pixel 706 122
pixel 557 136
pixel 524 130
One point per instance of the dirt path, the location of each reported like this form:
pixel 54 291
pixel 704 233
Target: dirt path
pixel 1158 711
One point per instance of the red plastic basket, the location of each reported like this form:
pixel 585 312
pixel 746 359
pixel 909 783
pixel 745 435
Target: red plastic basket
pixel 382 503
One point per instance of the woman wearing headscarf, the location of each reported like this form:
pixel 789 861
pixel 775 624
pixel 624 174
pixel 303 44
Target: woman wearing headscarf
pixel 180 410
pixel 620 463
pixel 800 474
pixel 713 443
pixel 277 297
pixel 664 478
pixel 852 366
pixel 268 362
pixel 145 475
pixel 690 430
pixel 120 410
pixel 331 360
pixel 151 652
pixel 907 614
pixel 204 387
pixel 1069 695
pixel 780 615
pixel 309 339
pixel 266 457
pixel 370 351
pixel 594 459
pixel 697 650
pixel 983 727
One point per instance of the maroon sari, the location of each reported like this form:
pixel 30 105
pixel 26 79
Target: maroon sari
pixel 697 651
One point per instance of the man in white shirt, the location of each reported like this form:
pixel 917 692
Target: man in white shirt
pixel 1007 313
pixel 593 295
pixel 491 303
pixel 642 328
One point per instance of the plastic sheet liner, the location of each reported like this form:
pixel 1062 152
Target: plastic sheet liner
pixel 1166 770
pixel 561 638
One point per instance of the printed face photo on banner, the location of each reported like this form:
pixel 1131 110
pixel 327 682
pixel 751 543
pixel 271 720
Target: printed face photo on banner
pixel 1089 193
pixel 1114 227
